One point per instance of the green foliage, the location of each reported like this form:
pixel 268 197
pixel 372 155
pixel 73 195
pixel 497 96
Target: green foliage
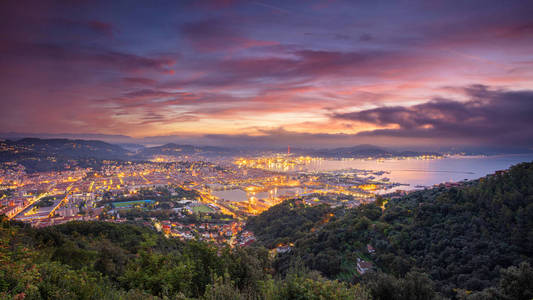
pixel 300 288
pixel 286 222
pixel 293 287
pixel 333 243
pixel 414 286
pixel 97 260
pixel 517 282
pixel 461 237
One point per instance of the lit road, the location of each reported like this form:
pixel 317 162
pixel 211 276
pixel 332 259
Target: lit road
pixel 35 200
pixel 63 201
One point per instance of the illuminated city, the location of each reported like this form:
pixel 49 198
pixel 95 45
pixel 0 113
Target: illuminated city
pixel 230 192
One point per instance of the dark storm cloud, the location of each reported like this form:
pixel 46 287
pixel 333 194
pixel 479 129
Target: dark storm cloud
pixel 489 116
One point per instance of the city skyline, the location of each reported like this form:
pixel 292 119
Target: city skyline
pixel 317 73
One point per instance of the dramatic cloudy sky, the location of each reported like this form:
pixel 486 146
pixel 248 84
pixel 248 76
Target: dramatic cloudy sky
pixel 267 72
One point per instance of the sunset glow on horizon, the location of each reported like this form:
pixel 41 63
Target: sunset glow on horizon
pixel 300 72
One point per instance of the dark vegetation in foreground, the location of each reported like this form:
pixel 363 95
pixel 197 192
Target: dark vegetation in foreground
pixel 469 242
pixel 98 260
pixel 474 241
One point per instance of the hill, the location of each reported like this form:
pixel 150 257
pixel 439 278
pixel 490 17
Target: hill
pixel 72 148
pixel 468 240
pixel 172 149
pixel 97 260
pixel 55 154
pixel 287 222
pixel 363 151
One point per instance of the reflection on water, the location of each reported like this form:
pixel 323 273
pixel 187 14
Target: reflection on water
pixel 415 173
pixel 418 172
pixel 426 172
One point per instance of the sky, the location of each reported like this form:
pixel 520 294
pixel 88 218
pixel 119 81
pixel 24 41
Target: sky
pixel 306 73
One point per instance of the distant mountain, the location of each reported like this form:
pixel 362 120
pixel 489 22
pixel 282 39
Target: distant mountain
pixel 71 148
pixel 57 154
pixel 132 147
pixel 110 138
pixel 172 149
pixel 361 151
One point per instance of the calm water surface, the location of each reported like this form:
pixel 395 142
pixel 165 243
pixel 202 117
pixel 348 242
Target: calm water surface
pixel 427 172
pixel 412 172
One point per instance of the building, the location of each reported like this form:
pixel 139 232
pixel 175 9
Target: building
pixel 363 266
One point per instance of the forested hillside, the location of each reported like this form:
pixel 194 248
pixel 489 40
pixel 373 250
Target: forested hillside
pixel 38 155
pixel 288 221
pixel 461 238
pixel 97 260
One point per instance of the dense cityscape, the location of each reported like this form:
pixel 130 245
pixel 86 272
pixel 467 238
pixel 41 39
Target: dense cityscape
pixel 183 199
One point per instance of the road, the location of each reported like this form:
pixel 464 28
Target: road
pixel 63 201
pixel 35 200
